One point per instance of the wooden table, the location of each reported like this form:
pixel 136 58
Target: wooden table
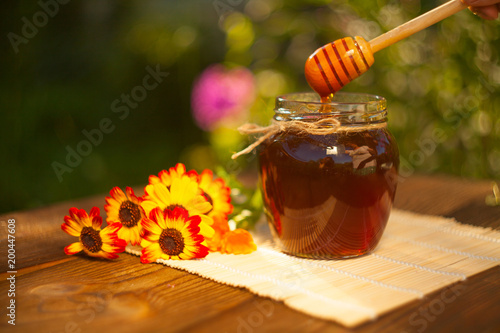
pixel 59 293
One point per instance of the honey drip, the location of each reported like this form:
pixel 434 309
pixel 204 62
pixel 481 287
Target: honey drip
pixel 326 100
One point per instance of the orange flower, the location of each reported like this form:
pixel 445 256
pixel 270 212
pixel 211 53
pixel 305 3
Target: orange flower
pixel 127 210
pixel 219 196
pixel 217 193
pixel 92 240
pixel 238 241
pixel 221 227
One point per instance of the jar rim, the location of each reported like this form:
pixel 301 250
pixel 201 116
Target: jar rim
pixel 338 98
pixel 354 107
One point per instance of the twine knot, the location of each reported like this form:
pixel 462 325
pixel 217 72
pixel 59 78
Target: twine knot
pixel 323 126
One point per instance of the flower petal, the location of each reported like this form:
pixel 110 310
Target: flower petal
pixel 192 224
pixel 238 241
pixel 219 193
pixel 198 204
pixel 179 169
pixel 160 194
pixel 191 252
pixel 103 254
pixel 206 219
pixel 220 226
pixel 151 253
pixel 149 205
pixel 117 246
pixel 84 219
pixel 94 212
pixel 74 214
pixel 131 235
pixel 145 242
pixel 117 194
pixel 73 248
pixel 202 251
pixel 157 215
pixel 150 226
pixel 183 190
pixel 150 236
pixel 206 230
pixel 164 177
pixel 206 178
pixel 131 195
pixel 96 222
pixel 124 233
pixel 155 179
pixel 178 213
pixel 113 204
pixel 135 235
pixel 110 232
pixel 71 227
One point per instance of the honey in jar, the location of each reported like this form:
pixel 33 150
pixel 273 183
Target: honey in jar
pixel 329 195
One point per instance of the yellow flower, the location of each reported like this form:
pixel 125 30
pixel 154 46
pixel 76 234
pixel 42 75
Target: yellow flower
pixel 184 193
pixel 171 234
pixel 125 209
pixel 238 241
pixel 92 240
pixel 165 177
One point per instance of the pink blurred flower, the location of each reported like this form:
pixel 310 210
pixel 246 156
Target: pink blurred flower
pixel 221 94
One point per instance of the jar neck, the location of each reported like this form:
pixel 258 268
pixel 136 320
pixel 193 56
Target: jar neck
pixel 349 109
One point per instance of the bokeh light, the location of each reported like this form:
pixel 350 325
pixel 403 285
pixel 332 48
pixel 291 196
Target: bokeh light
pixel 66 78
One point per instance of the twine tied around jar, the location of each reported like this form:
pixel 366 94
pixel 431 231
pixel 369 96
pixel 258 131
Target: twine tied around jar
pixel 323 126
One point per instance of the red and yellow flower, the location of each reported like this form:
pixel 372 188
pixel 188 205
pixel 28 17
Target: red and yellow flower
pixel 125 209
pixel 183 192
pixel 92 240
pixel 171 234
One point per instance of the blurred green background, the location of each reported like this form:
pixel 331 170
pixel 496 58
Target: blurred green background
pixel 442 85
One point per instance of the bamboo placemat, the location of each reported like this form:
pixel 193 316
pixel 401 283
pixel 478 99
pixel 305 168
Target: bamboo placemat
pixel 417 255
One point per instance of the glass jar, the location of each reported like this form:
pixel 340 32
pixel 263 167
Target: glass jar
pixel 329 195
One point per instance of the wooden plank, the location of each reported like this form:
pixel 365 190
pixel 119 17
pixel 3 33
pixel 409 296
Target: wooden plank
pixel 87 297
pixel 450 197
pixel 39 237
pixel 91 295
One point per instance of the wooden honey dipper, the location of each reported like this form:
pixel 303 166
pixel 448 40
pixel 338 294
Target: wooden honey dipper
pixel 334 65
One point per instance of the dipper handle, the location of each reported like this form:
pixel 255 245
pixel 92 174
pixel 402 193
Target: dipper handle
pixel 419 23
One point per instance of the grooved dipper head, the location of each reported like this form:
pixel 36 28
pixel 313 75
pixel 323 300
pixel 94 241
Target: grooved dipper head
pixel 334 65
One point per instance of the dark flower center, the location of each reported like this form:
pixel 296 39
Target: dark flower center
pixel 129 214
pixel 171 242
pixel 210 200
pixel 91 239
pixel 172 207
